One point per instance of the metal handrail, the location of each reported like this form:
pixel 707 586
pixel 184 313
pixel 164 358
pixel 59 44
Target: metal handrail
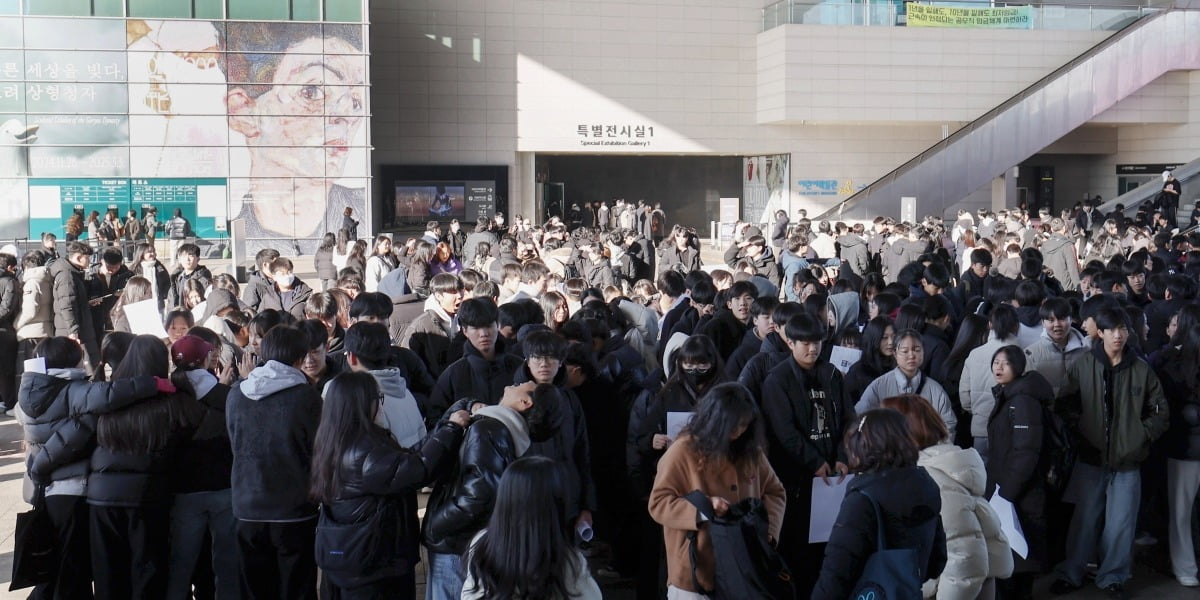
pixel 787 8
pixel 865 193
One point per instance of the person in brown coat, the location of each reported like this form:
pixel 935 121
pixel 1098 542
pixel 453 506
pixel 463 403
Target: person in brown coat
pixel 721 453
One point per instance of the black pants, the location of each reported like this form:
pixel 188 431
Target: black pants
pixel 392 588
pixel 8 367
pixel 129 551
pixel 74 578
pixel 277 559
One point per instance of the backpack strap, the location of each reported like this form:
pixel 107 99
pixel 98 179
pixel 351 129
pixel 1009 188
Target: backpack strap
pixel 920 388
pixel 704 507
pixel 881 543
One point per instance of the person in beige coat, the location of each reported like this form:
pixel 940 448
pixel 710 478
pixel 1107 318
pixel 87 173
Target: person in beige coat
pixel 721 453
pixel 977 550
pixel 975 385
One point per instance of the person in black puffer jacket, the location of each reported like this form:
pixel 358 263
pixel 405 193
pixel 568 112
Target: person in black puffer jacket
pixel 129 485
pixel 58 410
pixel 462 499
pixel 1014 463
pixel 202 500
pixel 363 477
pixel 884 458
pixel 731 320
pixel 1181 385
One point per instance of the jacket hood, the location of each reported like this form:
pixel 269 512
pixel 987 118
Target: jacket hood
pixel 850 240
pixel 1075 340
pixel 964 467
pixel 270 378
pixel 1055 243
pixel 1032 384
pixel 1127 357
pixel 513 421
pixel 391 382
pixel 1029 316
pixel 39 390
pixel 431 303
pixel 845 309
pixel 35 274
pixel 216 301
pixel 773 343
pixel 202 381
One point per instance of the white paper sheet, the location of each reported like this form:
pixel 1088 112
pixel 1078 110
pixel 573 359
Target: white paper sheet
pixel 1010 524
pixel 144 319
pixel 676 421
pixel 843 358
pixel 35 365
pixel 826 503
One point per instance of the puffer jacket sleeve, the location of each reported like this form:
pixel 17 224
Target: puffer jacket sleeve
pixel 73 439
pixel 633 455
pixel 10 299
pixel 1000 555
pixel 967 567
pixel 390 469
pixel 1025 415
pixel 104 397
pixel 482 463
pixel 65 299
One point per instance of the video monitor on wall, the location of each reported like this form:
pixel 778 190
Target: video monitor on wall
pixel 418 202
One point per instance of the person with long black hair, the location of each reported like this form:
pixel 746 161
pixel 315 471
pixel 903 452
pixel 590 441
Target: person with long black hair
pixel 1180 374
pixel 58 411
pixel 129 485
pixel 878 339
pixel 527 550
pixel 722 454
pixel 361 476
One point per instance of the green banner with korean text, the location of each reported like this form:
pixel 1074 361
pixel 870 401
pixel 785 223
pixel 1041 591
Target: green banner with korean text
pixel 982 17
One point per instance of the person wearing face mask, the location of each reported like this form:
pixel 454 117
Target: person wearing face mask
pixel 695 369
pixel 289 293
pixel 806 409
pixel 728 326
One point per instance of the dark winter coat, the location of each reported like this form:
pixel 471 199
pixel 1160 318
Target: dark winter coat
pixel 10 302
pixel 110 292
pixel 473 240
pixel 179 283
pixel 1183 434
pixel 1016 431
pixel 779 233
pixel 725 331
pixel 792 420
pixel 429 336
pixel 911 506
pixel 684 261
pixel 256 286
pixel 854 253
pixel 764 263
pixel 472 376
pixel 273 298
pixel 205 460
pixel 323 263
pixel 755 372
pixel 750 346
pixel 72 316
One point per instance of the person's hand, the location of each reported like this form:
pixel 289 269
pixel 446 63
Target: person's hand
pixel 660 441
pixel 461 418
pixel 74 337
pixel 226 374
pixel 720 506
pixel 823 473
pixel 95 301
pixel 246 364
pixel 842 470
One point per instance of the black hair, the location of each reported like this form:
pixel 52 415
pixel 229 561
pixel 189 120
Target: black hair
pixel 374 305
pixel 112 256
pixel 477 312
pixel 784 312
pixel 726 408
pixel 1111 318
pixel 284 344
pixel 1030 293
pixel 544 343
pixel 981 256
pixel 1000 290
pixel 1015 356
pixel 1055 307
pixel 321 305
pixel 805 328
pixel 265 321
pixel 1005 322
pixel 1092 306
pixel 937 275
pixel 972 333
pixel 911 316
pixel 886 303
pixel 741 288
pixel 315 333
pixel 369 343
pixel 546 415
pixel 347 415
pixel 764 305
pixel 148 426
pixel 935 307
pixel 872 338
pixel 704 292
pixel 59 352
pixel 696 349
pixel 527 550
pixel 113 348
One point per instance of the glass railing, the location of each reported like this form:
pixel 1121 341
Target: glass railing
pixel 889 13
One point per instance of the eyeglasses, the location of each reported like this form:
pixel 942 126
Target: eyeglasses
pixel 543 359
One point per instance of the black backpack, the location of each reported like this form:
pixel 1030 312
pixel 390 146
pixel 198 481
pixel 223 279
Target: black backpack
pixel 747 566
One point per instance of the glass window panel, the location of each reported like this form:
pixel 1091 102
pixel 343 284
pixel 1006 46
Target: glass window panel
pixel 343 39
pixel 210 9
pixel 90 130
pixel 265 10
pixel 10 7
pixel 179 161
pixel 68 8
pixel 76 34
pixel 75 161
pixel 87 98
pixel 109 8
pixel 160 8
pixel 306 10
pixel 10 33
pixel 349 11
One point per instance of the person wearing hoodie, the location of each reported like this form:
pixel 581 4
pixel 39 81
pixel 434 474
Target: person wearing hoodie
pixel 486 367
pixel 1058 254
pixel 888 484
pixel 773 349
pixel 853 249
pixel 58 411
pixel 1114 402
pixel 729 324
pixel 202 499
pixel 367 350
pixel 977 551
pixel 1058 347
pixel 754 251
pixel 841 312
pixel 976 383
pixel 430 334
pixel 287 293
pixel 806 410
pixel 189 259
pixel 463 498
pixel 272 418
pixel 1028 296
pixel 1015 468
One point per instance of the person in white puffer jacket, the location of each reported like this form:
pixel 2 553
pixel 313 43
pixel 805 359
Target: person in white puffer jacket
pixel 977 550
pixel 975 385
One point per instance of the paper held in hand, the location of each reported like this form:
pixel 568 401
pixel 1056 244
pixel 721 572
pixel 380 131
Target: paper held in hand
pixel 826 503
pixel 676 421
pixel 1009 524
pixel 144 319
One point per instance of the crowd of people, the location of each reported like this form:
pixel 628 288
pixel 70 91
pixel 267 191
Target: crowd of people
pixel 562 389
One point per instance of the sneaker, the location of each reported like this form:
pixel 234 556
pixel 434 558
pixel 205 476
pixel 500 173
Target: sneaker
pixel 1116 591
pixel 1145 539
pixel 1062 586
pixel 1186 581
pixel 12 412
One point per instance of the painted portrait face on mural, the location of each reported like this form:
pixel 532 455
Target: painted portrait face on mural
pixel 299 100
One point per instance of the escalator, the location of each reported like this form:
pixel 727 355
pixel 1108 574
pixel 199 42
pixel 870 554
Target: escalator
pixel 1188 175
pixel 1023 125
